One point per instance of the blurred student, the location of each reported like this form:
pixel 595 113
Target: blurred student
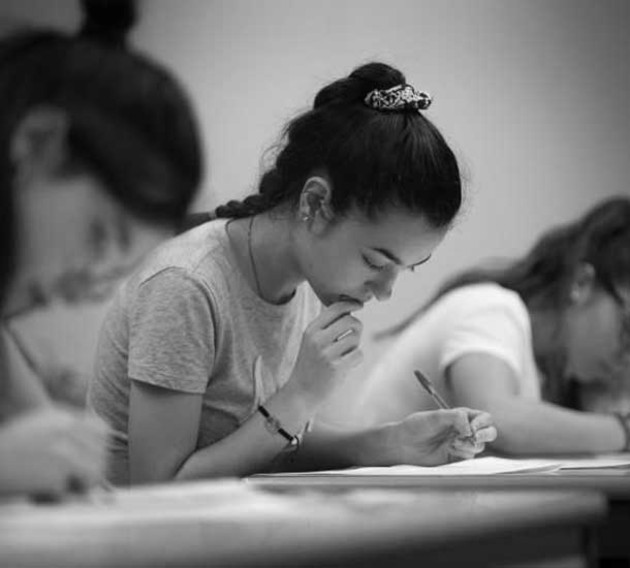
pixel 99 160
pixel 526 342
pixel 219 351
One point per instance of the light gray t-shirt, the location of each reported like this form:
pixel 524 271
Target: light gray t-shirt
pixel 188 321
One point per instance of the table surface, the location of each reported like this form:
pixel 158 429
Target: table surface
pixel 611 535
pixel 234 523
pixel 615 483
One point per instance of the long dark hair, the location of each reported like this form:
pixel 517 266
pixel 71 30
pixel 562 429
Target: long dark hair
pixel 375 159
pixel 130 122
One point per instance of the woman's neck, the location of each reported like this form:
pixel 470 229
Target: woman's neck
pixel 268 253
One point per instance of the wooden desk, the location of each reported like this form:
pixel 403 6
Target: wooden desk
pixel 236 524
pixel 612 536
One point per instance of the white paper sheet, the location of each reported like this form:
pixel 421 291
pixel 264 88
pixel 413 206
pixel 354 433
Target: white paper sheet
pixel 479 466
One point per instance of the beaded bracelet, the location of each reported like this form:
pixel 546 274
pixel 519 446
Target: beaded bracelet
pixel 275 426
pixel 624 420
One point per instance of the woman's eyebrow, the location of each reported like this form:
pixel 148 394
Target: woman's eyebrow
pixel 391 256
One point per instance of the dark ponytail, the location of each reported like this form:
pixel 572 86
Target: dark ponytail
pixel 375 159
pixel 108 21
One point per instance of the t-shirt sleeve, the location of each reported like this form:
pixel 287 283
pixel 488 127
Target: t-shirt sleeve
pixel 172 333
pixel 496 329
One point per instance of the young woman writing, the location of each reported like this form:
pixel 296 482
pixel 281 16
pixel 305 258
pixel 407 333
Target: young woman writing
pixel 219 351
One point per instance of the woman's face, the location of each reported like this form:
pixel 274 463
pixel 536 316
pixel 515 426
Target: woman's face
pixel 358 258
pixel 597 337
pixel 74 242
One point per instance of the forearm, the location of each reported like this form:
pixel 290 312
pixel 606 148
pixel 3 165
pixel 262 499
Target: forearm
pixel 327 447
pixel 534 427
pixel 253 447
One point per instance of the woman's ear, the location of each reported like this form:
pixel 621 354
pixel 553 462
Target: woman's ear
pixel 583 284
pixel 315 201
pixel 39 143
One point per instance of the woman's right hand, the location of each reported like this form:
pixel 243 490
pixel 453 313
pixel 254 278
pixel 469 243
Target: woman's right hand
pixel 48 453
pixel 432 437
pixel 329 349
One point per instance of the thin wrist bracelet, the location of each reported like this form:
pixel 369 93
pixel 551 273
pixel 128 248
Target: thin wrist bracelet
pixel 275 426
pixel 624 420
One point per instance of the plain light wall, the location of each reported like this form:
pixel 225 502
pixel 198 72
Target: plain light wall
pixel 532 95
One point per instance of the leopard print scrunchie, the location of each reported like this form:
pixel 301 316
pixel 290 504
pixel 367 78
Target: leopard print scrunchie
pixel 398 98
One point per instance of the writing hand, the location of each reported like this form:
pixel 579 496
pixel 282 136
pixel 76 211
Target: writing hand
pixel 435 437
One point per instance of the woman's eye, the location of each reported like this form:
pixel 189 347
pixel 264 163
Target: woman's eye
pixel 372 265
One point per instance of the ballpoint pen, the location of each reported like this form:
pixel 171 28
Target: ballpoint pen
pixel 428 386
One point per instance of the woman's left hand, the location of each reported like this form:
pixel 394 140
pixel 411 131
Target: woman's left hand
pixel 433 437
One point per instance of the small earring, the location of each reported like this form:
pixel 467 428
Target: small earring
pixel 305 217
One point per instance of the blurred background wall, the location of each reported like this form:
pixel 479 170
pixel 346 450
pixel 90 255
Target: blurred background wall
pixel 533 95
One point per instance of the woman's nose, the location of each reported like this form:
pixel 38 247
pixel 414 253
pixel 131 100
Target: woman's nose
pixel 383 286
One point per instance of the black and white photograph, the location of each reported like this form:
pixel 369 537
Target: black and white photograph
pixel 324 284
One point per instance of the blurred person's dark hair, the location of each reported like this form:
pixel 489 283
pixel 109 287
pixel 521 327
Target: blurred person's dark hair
pixel 130 122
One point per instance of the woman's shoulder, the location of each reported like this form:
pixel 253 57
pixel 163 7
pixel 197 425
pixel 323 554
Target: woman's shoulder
pixel 482 297
pixel 489 291
pixel 197 253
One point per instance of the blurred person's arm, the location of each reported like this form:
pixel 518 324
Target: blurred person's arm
pixel 48 453
pixel 528 426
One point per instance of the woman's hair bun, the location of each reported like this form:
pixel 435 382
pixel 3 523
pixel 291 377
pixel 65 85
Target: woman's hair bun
pixel 108 21
pixel 355 87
